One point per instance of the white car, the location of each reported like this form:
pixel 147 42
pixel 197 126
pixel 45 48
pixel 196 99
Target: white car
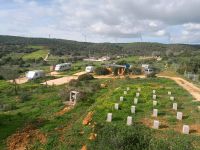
pixel 89 69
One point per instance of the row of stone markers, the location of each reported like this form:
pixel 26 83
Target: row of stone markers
pixel 156 123
pixel 179 115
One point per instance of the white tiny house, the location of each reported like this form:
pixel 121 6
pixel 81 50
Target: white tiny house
pixel 89 69
pixel 62 67
pixel 35 74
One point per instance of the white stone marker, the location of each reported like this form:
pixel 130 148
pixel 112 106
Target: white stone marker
pixel 116 106
pixel 125 92
pixel 186 129
pixel 155 112
pixel 169 93
pixel 154 96
pixel 133 109
pixel 156 124
pixel 135 100
pixel 198 107
pixel 121 98
pixel 175 106
pixel 155 103
pixel 109 117
pixel 179 115
pixel 129 121
pixel 137 94
pixel 128 88
pixel 154 91
pixel 171 98
pixel 139 89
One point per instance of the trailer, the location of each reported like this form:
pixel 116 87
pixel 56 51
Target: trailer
pixel 31 75
pixel 63 67
pixel 89 69
pixel 149 71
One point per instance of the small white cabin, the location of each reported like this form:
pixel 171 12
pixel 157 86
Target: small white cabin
pixel 35 74
pixel 62 67
pixel 89 69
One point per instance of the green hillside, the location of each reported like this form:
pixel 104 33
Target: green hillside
pixel 66 47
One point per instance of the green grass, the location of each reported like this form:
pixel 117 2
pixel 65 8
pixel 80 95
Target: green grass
pixel 41 52
pixel 65 132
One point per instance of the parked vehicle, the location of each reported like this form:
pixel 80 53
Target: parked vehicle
pixel 35 74
pixel 148 71
pixel 63 67
pixel 89 69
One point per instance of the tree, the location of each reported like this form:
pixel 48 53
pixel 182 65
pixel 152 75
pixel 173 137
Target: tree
pixel 10 74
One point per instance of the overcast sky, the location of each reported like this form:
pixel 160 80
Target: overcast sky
pixel 175 21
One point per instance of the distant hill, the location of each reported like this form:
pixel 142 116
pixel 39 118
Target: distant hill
pixel 67 47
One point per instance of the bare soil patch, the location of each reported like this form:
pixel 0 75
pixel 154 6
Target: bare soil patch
pixel 21 140
pixel 88 118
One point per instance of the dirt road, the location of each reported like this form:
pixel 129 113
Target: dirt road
pixel 79 73
pixel 20 80
pixel 60 81
pixel 191 88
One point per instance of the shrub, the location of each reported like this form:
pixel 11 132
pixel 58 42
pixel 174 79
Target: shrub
pixel 123 137
pixel 25 96
pixel 75 83
pixel 1 77
pixel 101 71
pixel 8 107
pixel 151 75
pixel 136 70
pixel 85 77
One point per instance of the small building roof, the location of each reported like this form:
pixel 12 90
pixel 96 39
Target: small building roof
pixel 115 65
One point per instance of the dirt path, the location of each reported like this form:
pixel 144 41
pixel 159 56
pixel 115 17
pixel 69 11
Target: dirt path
pixel 79 73
pixel 21 80
pixel 60 81
pixel 191 88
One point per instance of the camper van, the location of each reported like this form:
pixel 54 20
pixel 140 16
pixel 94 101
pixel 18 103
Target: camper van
pixel 148 71
pixel 35 74
pixel 89 69
pixel 62 67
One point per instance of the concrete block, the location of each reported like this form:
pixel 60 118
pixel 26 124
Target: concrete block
pixel 133 109
pixel 116 106
pixel 135 100
pixel 109 117
pixel 186 129
pixel 155 103
pixel 175 106
pixel 154 96
pixel 121 99
pixel 129 120
pixel 155 112
pixel 156 124
pixel 179 115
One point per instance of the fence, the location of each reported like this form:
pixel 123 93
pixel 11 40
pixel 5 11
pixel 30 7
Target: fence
pixel 192 76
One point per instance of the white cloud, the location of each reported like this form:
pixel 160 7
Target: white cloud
pixel 102 19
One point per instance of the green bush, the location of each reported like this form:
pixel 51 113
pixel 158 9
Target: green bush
pixel 124 138
pixel 1 77
pixel 24 96
pixel 151 75
pixel 136 70
pixel 85 77
pixel 75 83
pixel 8 107
pixel 101 71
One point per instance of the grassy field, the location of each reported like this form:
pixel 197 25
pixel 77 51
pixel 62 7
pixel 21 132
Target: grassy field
pixel 41 52
pixel 67 132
